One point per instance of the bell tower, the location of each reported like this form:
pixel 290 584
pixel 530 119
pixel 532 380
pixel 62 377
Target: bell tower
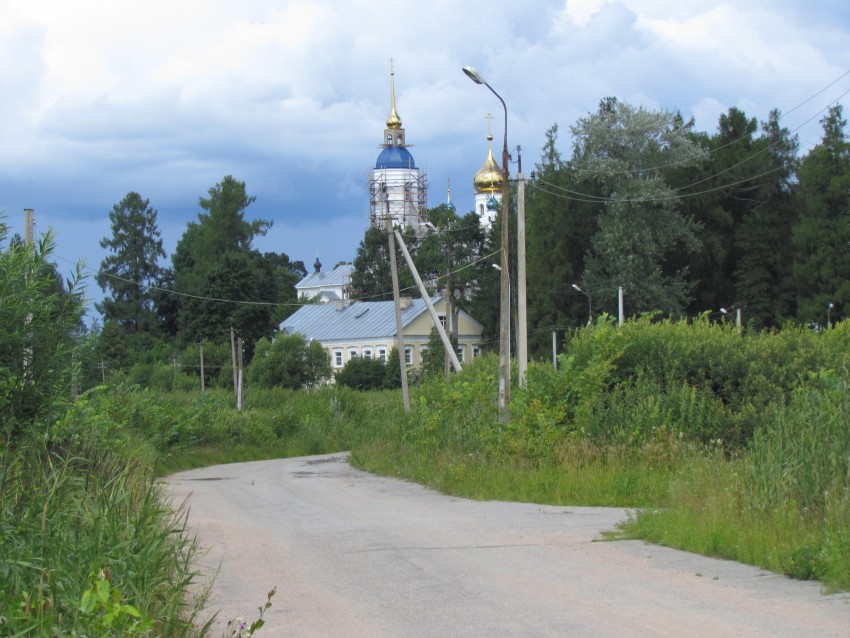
pixel 396 186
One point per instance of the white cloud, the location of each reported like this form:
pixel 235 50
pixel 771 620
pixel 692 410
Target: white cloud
pixel 166 98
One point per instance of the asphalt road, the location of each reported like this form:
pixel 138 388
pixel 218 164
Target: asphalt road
pixel 352 554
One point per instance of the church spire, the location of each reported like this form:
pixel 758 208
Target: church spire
pixel 393 120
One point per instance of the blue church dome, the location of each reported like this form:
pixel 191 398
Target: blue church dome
pixel 395 157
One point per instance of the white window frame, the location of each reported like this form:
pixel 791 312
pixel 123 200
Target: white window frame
pixel 353 351
pixel 382 354
pixel 408 355
pixel 366 352
pixel 461 350
pixel 476 351
pixel 339 359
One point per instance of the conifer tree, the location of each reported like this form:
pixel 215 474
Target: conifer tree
pixel 131 271
pixel 822 234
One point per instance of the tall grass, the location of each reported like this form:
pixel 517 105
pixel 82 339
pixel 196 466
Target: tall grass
pixel 784 504
pixel 75 517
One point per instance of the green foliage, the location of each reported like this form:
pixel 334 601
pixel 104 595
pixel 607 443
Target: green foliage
pixel 803 456
pixel 216 265
pixel 85 503
pixel 218 363
pixel 109 615
pixel 392 371
pixel 238 628
pixel 131 269
pixel 361 373
pixel 290 362
pixel 556 259
pixel 372 278
pixel 39 320
pixel 640 228
pixel 821 259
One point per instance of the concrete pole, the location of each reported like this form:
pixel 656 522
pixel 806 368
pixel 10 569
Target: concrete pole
pixel 29 242
pixel 522 330
pixel 233 360
pixel 555 349
pixel 620 312
pixel 447 343
pixel 505 287
pixel 239 387
pixel 405 392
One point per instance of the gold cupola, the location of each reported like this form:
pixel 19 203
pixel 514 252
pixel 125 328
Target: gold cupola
pixel 393 120
pixel 489 177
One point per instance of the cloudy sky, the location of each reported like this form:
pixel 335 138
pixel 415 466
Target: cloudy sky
pixel 102 97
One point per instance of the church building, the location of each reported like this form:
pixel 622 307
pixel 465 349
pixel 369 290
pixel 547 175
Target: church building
pixel 396 186
pixel 488 186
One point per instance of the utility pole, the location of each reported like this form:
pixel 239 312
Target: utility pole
pixel 29 241
pixel 447 344
pixel 202 366
pixel 620 311
pixel 239 387
pixel 405 392
pixel 450 313
pixel 555 349
pixel 522 330
pixel 233 359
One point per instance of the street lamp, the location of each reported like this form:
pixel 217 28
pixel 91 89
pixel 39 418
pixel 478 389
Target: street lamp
pixel 505 290
pixel 828 313
pixel 738 324
pixel 589 304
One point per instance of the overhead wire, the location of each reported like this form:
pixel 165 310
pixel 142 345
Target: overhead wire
pixel 591 198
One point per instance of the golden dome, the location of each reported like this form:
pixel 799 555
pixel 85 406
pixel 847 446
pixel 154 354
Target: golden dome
pixel 489 178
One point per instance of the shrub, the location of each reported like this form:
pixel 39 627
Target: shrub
pixel 361 373
pixel 289 362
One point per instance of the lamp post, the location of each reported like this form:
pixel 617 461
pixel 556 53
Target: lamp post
pixel 738 324
pixel 828 313
pixel 589 304
pixel 505 302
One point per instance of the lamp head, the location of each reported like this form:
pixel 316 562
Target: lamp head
pixel 474 75
pixel 577 288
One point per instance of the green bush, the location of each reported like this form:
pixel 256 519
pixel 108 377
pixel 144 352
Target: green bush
pixel 289 362
pixel 361 373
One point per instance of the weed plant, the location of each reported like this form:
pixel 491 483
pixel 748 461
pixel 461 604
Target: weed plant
pixel 87 545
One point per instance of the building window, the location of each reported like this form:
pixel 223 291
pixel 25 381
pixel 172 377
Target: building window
pixel 422 351
pixel 460 351
pixel 352 352
pixel 442 319
pixel 382 354
pixel 408 355
pixel 367 353
pixel 337 357
pixel 476 351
